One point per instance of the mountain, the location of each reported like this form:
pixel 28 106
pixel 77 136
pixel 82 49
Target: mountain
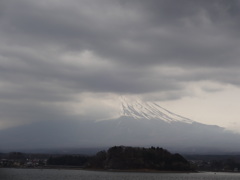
pixel 147 123
pixel 149 111
pixel 139 124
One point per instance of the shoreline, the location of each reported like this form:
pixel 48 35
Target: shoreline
pixel 140 170
pixel 100 170
pixel 114 170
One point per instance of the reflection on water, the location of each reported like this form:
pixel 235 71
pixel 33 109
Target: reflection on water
pixel 53 174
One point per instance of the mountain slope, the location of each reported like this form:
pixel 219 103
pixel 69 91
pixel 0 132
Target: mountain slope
pixel 140 124
pixel 149 110
pixel 147 123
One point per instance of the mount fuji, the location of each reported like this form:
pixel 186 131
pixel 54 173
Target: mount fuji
pixel 147 123
pixel 149 111
pixel 139 124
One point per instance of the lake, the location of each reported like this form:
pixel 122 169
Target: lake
pixel 54 174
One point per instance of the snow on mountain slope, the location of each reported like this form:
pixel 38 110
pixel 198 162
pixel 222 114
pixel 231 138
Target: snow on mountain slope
pixel 149 110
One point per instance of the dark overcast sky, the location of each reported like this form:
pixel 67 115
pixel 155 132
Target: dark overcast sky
pixel 65 59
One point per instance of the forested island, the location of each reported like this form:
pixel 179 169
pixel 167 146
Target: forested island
pixel 127 158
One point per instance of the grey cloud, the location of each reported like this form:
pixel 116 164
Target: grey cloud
pixel 149 41
pixel 172 12
pixel 134 37
pixel 149 48
pixel 41 79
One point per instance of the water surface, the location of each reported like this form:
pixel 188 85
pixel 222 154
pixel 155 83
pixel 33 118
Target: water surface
pixel 54 174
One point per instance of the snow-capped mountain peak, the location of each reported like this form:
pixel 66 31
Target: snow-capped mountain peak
pixel 149 110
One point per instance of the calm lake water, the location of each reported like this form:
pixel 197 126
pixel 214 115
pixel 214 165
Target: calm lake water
pixel 53 174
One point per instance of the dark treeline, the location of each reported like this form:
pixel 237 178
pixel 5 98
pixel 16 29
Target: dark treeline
pixel 19 159
pixel 69 160
pixel 121 157
pixel 215 162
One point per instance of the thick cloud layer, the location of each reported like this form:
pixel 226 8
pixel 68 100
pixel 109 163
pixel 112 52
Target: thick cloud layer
pixel 55 54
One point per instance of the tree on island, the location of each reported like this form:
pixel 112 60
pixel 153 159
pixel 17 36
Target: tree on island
pixel 122 157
